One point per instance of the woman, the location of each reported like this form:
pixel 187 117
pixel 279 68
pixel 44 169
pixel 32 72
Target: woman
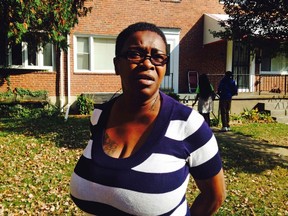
pixel 144 144
pixel 205 95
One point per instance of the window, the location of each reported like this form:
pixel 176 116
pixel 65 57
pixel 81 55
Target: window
pixel 278 64
pixel 95 54
pixel 29 56
pixel 82 54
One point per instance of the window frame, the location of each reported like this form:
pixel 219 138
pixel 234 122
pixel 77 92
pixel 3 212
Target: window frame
pixel 24 55
pixel 91 55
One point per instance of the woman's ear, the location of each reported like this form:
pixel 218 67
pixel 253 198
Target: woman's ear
pixel 116 65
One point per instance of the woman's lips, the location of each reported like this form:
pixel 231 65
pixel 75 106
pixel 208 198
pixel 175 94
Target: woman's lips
pixel 145 79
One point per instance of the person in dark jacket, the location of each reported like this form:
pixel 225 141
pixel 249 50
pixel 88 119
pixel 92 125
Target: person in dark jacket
pixel 226 90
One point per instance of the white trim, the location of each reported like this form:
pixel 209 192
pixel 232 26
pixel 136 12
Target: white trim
pixel 68 71
pixel 274 72
pixel 91 54
pixel 39 60
pixel 229 55
pixel 173 39
pixel 252 72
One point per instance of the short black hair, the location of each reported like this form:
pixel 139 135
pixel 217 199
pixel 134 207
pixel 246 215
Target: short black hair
pixel 131 29
pixel 229 74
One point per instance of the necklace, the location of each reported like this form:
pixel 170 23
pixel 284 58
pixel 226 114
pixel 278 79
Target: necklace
pixel 152 108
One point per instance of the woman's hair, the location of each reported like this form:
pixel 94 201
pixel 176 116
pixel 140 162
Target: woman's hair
pixel 140 26
pixel 204 86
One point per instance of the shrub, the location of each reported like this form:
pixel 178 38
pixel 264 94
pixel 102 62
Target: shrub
pixel 253 115
pixel 85 105
pixel 26 92
pixel 28 111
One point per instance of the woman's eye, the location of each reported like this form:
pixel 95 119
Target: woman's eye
pixel 158 56
pixel 134 54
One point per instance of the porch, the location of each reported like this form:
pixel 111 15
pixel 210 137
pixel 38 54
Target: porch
pixel 260 83
pixel 275 103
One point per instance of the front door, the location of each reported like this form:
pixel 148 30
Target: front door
pixel 241 64
pixel 170 82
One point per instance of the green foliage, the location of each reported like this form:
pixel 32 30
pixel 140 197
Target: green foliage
pixel 6 95
pixel 253 115
pixel 214 122
pixel 258 23
pixel 26 92
pixel 39 22
pixel 85 105
pixel 28 111
pixel 19 93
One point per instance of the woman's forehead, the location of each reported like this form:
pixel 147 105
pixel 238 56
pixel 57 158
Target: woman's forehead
pixel 144 39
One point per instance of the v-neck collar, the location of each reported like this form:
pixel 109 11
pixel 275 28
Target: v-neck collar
pixel 158 131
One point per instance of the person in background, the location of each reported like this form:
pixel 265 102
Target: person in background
pixel 226 90
pixel 204 95
pixel 144 145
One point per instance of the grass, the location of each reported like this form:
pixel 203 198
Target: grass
pixel 38 157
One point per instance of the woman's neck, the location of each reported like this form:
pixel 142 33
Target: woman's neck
pixel 131 106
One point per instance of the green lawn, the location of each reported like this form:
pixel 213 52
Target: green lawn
pixel 38 157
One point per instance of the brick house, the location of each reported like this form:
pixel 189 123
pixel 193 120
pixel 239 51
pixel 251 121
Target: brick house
pixel 87 67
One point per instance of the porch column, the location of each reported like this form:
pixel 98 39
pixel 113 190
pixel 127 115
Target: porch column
pixel 229 55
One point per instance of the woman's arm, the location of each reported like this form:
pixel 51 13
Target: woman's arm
pixel 196 99
pixel 212 195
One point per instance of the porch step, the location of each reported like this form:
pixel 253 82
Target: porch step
pixel 276 105
pixel 282 119
pixel 278 112
pixel 278 109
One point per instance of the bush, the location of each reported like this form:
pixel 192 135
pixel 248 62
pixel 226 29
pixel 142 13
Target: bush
pixel 253 115
pixel 85 105
pixel 28 111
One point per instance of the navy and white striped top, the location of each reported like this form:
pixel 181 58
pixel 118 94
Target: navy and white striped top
pixel 152 181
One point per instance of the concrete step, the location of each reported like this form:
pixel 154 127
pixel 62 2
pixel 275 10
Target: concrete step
pixel 278 112
pixel 282 119
pixel 276 105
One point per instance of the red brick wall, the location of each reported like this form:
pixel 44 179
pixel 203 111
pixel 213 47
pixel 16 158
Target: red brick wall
pixel 31 80
pixel 110 17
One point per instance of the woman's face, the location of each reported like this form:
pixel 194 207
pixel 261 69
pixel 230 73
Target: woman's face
pixel 144 78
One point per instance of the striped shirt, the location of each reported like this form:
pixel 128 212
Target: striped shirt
pixel 152 181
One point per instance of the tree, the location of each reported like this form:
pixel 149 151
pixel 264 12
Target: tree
pixel 38 21
pixel 259 23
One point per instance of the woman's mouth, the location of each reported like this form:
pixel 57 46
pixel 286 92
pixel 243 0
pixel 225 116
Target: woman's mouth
pixel 145 79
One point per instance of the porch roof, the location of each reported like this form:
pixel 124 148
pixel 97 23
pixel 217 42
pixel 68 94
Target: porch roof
pixel 211 23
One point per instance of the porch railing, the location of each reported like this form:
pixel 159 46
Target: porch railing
pixel 271 83
pixel 261 82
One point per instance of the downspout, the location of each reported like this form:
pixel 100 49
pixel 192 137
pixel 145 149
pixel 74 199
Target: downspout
pixel 62 99
pixel 68 80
